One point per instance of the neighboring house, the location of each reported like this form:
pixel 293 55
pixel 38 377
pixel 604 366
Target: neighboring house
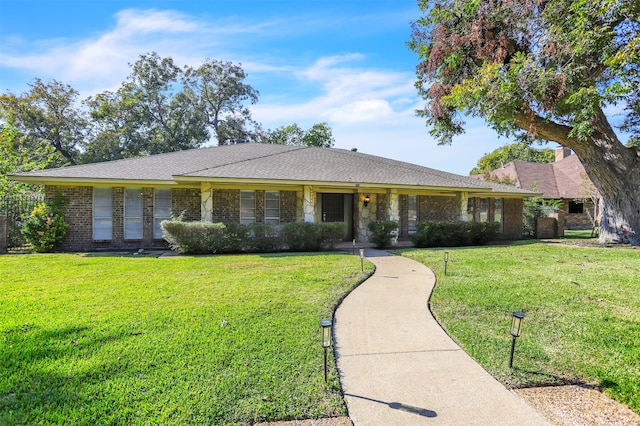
pixel 120 204
pixel 564 180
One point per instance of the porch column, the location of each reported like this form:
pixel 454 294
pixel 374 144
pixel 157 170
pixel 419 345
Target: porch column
pixel 308 204
pixel 393 211
pixel 463 199
pixel 206 202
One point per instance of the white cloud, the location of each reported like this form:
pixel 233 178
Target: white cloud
pixel 361 111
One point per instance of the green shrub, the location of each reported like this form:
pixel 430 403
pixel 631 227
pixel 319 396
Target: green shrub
pixel 263 238
pixel 383 232
pixel 333 232
pixel 45 227
pixel 303 236
pixel 209 238
pixel 455 234
pixel 193 237
pixel 234 239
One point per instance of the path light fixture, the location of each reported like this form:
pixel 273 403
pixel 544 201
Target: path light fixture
pixel 446 260
pixel 326 342
pixel 353 249
pixel 516 324
pixel 367 200
pixel 362 259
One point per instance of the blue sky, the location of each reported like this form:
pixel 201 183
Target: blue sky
pixel 341 62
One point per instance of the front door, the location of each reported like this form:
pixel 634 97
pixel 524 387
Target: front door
pixel 332 207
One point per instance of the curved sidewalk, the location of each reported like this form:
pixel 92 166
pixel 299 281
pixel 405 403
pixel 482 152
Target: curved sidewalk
pixel 398 367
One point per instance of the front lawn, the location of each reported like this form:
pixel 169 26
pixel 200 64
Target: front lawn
pixel 582 309
pixel 89 339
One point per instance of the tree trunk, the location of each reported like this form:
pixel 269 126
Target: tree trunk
pixel 613 168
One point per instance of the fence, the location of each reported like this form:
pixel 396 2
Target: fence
pixel 16 208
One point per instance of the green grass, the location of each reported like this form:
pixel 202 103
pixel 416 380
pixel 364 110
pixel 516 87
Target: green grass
pixel 579 234
pixel 582 309
pixel 185 340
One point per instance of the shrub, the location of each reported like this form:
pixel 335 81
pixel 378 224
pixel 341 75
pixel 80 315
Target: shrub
pixel 333 232
pixel 234 239
pixel 45 227
pixel 207 237
pixel 193 237
pixel 263 238
pixel 303 236
pixel 383 232
pixel 455 234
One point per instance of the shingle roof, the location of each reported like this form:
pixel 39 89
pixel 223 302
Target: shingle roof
pixel 562 179
pixel 268 162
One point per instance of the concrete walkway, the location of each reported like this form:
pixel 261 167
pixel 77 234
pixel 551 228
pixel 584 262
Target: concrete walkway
pixel 398 367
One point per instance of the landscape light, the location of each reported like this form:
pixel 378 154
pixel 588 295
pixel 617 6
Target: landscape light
pixel 516 324
pixel 326 342
pixel 362 259
pixel 446 261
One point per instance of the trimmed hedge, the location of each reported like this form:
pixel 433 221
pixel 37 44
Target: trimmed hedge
pixel 209 238
pixel 455 234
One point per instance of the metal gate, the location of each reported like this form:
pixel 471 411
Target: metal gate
pixel 17 207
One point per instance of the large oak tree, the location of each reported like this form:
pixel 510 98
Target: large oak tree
pixel 548 70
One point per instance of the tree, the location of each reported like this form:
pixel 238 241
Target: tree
pixel 154 111
pixel 47 115
pixel 319 135
pixel 512 152
pixel 541 70
pixel 219 90
pixel 16 157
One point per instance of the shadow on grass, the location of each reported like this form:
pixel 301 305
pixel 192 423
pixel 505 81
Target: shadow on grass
pixel 36 379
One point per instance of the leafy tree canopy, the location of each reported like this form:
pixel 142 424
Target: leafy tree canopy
pixel 512 152
pixel 47 118
pixel 319 135
pixel 541 70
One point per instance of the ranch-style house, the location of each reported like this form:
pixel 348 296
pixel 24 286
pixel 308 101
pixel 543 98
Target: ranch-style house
pixel 120 204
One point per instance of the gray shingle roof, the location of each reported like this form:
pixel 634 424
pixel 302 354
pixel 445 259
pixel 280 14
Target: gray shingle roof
pixel 267 162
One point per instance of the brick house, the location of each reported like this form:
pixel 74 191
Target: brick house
pixel 564 180
pixel 120 204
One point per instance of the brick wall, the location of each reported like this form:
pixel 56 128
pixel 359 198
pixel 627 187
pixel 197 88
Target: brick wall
pixel 578 220
pixel 513 221
pixel 288 205
pixel 382 206
pixel 186 202
pixel 226 205
pixel 437 208
pixel 78 214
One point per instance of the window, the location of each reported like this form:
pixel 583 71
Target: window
pixel 576 207
pixel 272 207
pixel 412 221
pixel 484 209
pixel 498 214
pixel 161 209
pixel 102 213
pixel 247 207
pixel 133 213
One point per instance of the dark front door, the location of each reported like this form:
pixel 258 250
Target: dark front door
pixel 332 207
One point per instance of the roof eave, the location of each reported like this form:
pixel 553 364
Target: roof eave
pixel 57 180
pixel 352 185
